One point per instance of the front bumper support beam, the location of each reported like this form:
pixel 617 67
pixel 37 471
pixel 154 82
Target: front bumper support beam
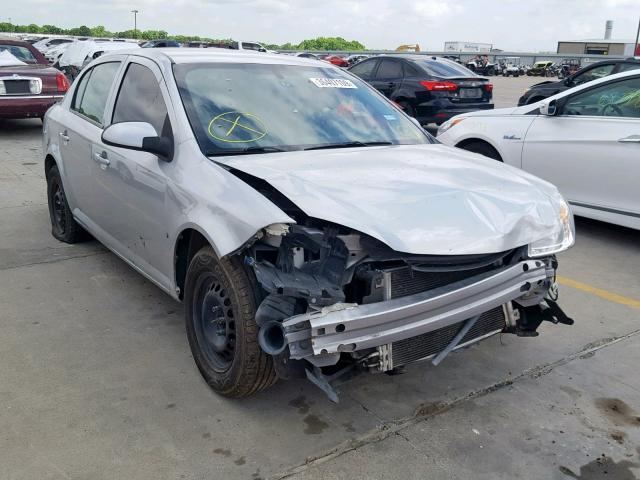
pixel 349 327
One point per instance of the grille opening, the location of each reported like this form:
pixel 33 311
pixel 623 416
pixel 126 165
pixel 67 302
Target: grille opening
pixel 431 343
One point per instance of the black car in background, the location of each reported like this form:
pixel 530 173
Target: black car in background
pixel 597 70
pixel 431 89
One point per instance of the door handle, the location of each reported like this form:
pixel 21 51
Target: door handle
pixel 64 136
pixel 102 159
pixel 630 139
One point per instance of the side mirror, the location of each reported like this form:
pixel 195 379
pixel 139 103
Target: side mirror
pixel 263 50
pixel 568 82
pixel 140 136
pixel 548 108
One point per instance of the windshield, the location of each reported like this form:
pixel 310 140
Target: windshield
pixel 262 107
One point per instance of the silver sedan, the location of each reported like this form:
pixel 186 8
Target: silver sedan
pixel 311 228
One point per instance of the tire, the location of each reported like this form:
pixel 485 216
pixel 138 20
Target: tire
pixel 483 149
pixel 221 299
pixel 63 226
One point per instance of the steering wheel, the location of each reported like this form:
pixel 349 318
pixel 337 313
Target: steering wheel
pixel 615 110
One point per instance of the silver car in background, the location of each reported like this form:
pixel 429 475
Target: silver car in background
pixel 311 228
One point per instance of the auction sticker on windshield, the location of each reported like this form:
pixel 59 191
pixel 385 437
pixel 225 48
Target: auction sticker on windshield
pixel 332 83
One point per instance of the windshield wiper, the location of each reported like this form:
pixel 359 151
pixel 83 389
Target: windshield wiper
pixel 244 151
pixel 349 145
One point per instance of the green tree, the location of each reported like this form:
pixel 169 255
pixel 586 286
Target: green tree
pixel 99 31
pixel 330 43
pixel 81 31
pixel 51 29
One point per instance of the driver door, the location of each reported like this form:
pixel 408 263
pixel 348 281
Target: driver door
pixel 591 149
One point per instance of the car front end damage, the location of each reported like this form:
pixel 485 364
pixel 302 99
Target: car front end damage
pixel 339 302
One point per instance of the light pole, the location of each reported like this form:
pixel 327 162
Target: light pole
pixel 135 23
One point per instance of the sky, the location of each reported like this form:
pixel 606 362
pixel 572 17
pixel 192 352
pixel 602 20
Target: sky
pixel 513 25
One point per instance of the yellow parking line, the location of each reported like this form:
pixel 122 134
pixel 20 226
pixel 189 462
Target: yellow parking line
pixel 612 297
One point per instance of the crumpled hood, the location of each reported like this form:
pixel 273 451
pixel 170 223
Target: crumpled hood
pixel 419 199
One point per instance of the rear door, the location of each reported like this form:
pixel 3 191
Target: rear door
pixel 80 128
pixel 365 69
pixel 388 77
pixel 591 150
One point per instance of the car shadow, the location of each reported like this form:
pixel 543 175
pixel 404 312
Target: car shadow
pixel 12 130
pixel 614 236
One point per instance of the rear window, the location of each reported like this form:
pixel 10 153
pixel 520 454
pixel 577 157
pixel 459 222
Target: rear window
pixel 444 68
pixel 21 53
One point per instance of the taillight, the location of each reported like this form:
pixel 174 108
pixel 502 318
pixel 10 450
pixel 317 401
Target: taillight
pixel 439 86
pixel 62 83
pixel 488 87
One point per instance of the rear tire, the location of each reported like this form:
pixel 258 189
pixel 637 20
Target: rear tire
pixel 221 301
pixel 63 226
pixel 483 149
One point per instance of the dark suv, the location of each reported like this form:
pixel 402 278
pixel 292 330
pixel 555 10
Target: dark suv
pixel 540 91
pixel 431 89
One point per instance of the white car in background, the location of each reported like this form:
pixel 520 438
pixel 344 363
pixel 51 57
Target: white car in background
pixel 585 140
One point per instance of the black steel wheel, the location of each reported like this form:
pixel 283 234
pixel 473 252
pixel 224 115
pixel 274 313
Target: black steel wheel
pixel 63 226
pixel 213 321
pixel 221 298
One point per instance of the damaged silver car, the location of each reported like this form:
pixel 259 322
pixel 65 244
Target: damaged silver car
pixel 310 227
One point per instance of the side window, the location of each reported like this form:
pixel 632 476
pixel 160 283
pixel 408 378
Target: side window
pixel 619 99
pixel 91 95
pixel 140 99
pixel 364 69
pixel 389 69
pixel 594 74
pixel 625 67
pixel 250 46
pixel 410 70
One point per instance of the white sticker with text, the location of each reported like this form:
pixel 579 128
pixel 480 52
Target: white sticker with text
pixel 332 83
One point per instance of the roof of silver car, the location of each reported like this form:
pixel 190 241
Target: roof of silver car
pixel 213 55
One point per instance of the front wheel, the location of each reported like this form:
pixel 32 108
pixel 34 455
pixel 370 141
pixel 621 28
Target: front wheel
pixel 221 300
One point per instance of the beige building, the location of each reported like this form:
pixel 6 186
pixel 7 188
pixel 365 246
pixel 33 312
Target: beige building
pixel 597 47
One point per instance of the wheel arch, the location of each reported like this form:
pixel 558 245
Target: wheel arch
pixel 49 162
pixel 468 141
pixel 188 242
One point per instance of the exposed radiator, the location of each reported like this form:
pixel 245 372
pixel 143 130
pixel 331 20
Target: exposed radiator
pixel 402 281
pixel 428 344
